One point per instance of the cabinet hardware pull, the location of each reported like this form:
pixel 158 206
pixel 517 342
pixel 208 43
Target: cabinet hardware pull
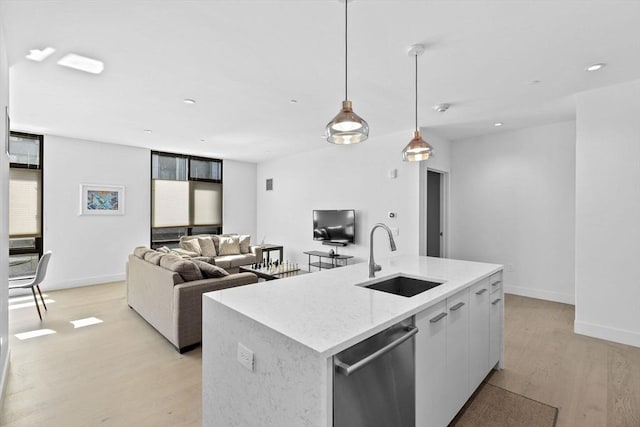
pixel 481 291
pixel 496 301
pixel 438 318
pixel 347 369
pixel 496 283
pixel 457 306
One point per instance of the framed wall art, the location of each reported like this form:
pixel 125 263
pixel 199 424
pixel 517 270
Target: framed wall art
pixel 98 199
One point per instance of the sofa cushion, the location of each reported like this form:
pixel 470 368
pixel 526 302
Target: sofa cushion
pixel 210 271
pixel 207 248
pixel 230 261
pixel 164 249
pixel 229 245
pixel 245 241
pixel 187 269
pixel 153 257
pixel 183 253
pixel 191 245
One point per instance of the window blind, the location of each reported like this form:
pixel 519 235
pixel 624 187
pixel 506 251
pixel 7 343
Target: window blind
pixel 206 203
pixel 170 203
pixel 24 202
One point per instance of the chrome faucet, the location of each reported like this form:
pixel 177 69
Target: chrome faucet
pixel 373 267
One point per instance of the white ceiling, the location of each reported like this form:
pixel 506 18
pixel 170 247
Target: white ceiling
pixel 243 61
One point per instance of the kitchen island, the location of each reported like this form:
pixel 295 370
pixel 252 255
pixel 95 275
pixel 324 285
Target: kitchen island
pixel 268 348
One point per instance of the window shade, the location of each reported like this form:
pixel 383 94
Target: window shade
pixel 24 202
pixel 170 203
pixel 207 203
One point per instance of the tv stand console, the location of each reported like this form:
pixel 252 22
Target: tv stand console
pixel 335 260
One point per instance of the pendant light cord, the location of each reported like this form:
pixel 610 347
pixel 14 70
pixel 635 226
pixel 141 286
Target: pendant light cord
pixel 416 91
pixel 346 57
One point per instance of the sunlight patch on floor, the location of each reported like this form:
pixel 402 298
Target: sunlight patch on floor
pixel 34 334
pixel 29 304
pixel 81 323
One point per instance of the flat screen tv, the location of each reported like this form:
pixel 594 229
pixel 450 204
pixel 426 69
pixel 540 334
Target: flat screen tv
pixel 334 226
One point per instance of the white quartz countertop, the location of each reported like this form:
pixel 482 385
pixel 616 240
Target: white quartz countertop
pixel 328 313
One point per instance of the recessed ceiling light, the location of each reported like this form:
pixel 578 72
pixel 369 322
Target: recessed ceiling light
pixel 535 82
pixel 293 101
pixel 202 140
pixel 40 55
pixel 596 67
pixel 82 63
pixel 189 101
pixel 498 124
pixel 148 131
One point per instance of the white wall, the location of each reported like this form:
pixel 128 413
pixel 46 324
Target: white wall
pixel 4 219
pixel 608 213
pixel 513 204
pixel 342 177
pixel 92 249
pixel 239 201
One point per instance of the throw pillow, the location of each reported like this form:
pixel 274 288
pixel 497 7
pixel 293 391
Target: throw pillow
pixel 184 253
pixel 210 271
pixel 153 257
pixel 229 245
pixel 141 250
pixel 207 247
pixel 164 249
pixel 245 241
pixel 191 245
pixel 187 269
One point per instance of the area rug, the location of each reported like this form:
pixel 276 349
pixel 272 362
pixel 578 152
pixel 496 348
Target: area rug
pixel 493 406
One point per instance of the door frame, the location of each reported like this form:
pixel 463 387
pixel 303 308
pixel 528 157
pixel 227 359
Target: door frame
pixel 444 211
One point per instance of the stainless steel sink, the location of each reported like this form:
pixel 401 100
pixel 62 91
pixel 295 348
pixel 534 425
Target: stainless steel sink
pixel 403 286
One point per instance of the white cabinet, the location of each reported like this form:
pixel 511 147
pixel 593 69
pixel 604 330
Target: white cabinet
pixel 442 364
pixel 479 303
pixel 457 381
pixel 431 346
pixel 497 321
pixel 459 342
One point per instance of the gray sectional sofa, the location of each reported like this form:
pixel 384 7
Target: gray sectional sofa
pixel 166 291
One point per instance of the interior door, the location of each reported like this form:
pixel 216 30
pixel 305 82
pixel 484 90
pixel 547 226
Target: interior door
pixel 434 209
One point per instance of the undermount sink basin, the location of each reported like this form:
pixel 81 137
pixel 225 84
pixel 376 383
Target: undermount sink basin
pixel 403 286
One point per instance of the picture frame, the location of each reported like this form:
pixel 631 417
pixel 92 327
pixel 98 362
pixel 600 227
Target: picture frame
pixel 100 199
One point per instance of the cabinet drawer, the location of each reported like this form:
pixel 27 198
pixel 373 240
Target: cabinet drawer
pixel 495 282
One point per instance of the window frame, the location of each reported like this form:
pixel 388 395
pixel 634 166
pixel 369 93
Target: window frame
pixel 39 241
pixel 188 228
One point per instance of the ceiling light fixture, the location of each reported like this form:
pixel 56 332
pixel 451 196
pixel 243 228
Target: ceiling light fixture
pixel 498 124
pixel 82 63
pixel 417 149
pixel 596 67
pixel 189 101
pixel 346 127
pixel 40 55
pixel 147 131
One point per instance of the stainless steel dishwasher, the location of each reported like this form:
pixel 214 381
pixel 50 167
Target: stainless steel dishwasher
pixel 374 380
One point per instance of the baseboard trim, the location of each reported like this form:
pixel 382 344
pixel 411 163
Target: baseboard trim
pixel 3 377
pixel 621 336
pixel 540 294
pixel 86 281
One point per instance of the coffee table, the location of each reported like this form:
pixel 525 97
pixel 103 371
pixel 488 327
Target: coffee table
pixel 265 274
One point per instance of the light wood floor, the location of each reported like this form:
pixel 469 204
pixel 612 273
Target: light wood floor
pixel 122 372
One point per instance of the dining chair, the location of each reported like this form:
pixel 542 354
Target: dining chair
pixel 41 271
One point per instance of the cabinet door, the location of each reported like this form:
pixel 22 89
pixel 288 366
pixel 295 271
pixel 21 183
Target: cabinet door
pixel 495 342
pixel 479 304
pixel 430 365
pixel 457 378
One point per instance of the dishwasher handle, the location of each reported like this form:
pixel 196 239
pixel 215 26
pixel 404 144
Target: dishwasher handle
pixel 350 369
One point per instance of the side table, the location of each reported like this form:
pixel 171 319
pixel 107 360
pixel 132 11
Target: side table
pixel 268 247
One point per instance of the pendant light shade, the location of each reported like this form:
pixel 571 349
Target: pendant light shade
pixel 346 127
pixel 417 149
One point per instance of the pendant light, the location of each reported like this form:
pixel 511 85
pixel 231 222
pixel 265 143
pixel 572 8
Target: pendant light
pixel 417 149
pixel 347 127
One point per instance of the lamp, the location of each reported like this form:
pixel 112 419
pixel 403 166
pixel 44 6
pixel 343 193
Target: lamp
pixel 417 149
pixel 346 127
